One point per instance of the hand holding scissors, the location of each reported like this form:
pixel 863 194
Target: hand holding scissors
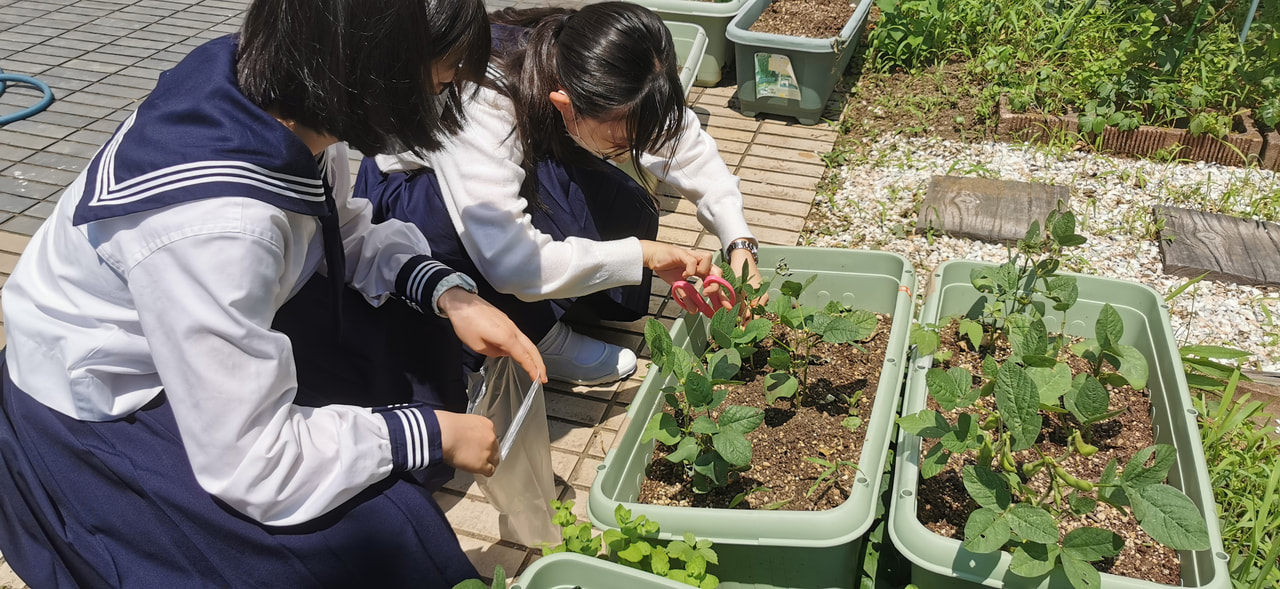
pixel 690 298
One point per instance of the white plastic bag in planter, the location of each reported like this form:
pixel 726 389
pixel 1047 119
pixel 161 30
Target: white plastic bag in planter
pixel 523 486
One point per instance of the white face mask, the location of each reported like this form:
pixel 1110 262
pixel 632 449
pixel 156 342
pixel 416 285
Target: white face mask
pixel 571 125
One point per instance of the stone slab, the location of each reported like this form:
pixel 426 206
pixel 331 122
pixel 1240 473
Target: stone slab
pixel 1229 248
pixel 998 211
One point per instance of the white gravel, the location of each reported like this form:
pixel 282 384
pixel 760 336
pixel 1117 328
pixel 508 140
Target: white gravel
pixel 881 189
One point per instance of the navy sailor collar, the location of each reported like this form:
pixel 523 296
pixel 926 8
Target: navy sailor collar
pixel 195 137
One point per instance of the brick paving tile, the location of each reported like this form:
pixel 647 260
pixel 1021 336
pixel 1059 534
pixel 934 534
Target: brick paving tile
pixel 41 174
pixel 22 224
pixel 18 194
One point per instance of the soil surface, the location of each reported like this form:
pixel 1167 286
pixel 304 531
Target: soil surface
pixel 793 430
pixel 944 504
pixel 814 19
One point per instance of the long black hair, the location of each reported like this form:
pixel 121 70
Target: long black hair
pixel 360 70
pixel 613 59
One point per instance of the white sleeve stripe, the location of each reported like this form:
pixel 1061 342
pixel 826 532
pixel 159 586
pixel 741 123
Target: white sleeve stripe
pixel 420 457
pixel 421 276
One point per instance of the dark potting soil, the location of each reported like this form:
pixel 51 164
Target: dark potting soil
pixel 814 19
pixel 793 429
pixel 944 504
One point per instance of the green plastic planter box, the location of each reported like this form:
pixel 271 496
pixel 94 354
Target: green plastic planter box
pixel 941 562
pixel 567 570
pixel 760 548
pixel 691 48
pixel 818 64
pixel 713 17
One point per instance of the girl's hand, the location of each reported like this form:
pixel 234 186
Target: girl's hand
pixel 673 263
pixel 485 329
pixel 468 442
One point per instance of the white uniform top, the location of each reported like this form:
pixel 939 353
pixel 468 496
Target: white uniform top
pixel 101 317
pixel 480 176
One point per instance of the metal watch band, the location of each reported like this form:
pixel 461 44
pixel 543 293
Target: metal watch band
pixel 746 244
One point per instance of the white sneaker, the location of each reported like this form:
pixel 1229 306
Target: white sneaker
pixel 576 358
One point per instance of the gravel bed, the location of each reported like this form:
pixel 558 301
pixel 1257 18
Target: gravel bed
pixel 882 184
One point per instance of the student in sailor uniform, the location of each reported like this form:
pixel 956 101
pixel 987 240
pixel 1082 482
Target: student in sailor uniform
pixel 524 199
pixel 152 433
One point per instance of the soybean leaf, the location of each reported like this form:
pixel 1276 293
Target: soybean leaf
pixel 948 386
pixel 1113 495
pixel 1081 574
pixel 1130 363
pixel 733 447
pixel 714 467
pixel 1087 399
pixel 934 461
pixel 778 385
pixel 1033 560
pixel 926 423
pixel 697 390
pixel 725 364
pixel 972 330
pixel 662 427
pixel 963 436
pixel 1032 523
pixel 857 326
pixel 779 360
pixel 681 362
pixel 1091 544
pixel 1136 472
pixel 925 340
pixel 659 341
pixel 792 317
pixel 1019 405
pixel 986 531
pixel 1081 504
pixel 1170 517
pixel 990 368
pixel 1026 337
pixel 1051 383
pixel 791 288
pixel 722 326
pixel 986 487
pixel 704 425
pixel 1109 328
pixel 737 418
pixel 1063 291
pixel 754 331
pixel 686 452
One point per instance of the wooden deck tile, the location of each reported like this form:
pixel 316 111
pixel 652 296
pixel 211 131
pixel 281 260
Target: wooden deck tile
pixel 1229 248
pixel 998 211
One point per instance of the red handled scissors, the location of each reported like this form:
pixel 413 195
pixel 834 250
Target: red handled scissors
pixel 690 298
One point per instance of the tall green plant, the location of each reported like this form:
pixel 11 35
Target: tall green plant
pixel 710 445
pixel 999 413
pixel 1243 458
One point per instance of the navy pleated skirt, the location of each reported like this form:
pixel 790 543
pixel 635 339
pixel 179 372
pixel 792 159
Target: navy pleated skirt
pixel 115 504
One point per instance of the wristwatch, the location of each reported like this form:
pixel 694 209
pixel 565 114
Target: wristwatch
pixel 744 243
